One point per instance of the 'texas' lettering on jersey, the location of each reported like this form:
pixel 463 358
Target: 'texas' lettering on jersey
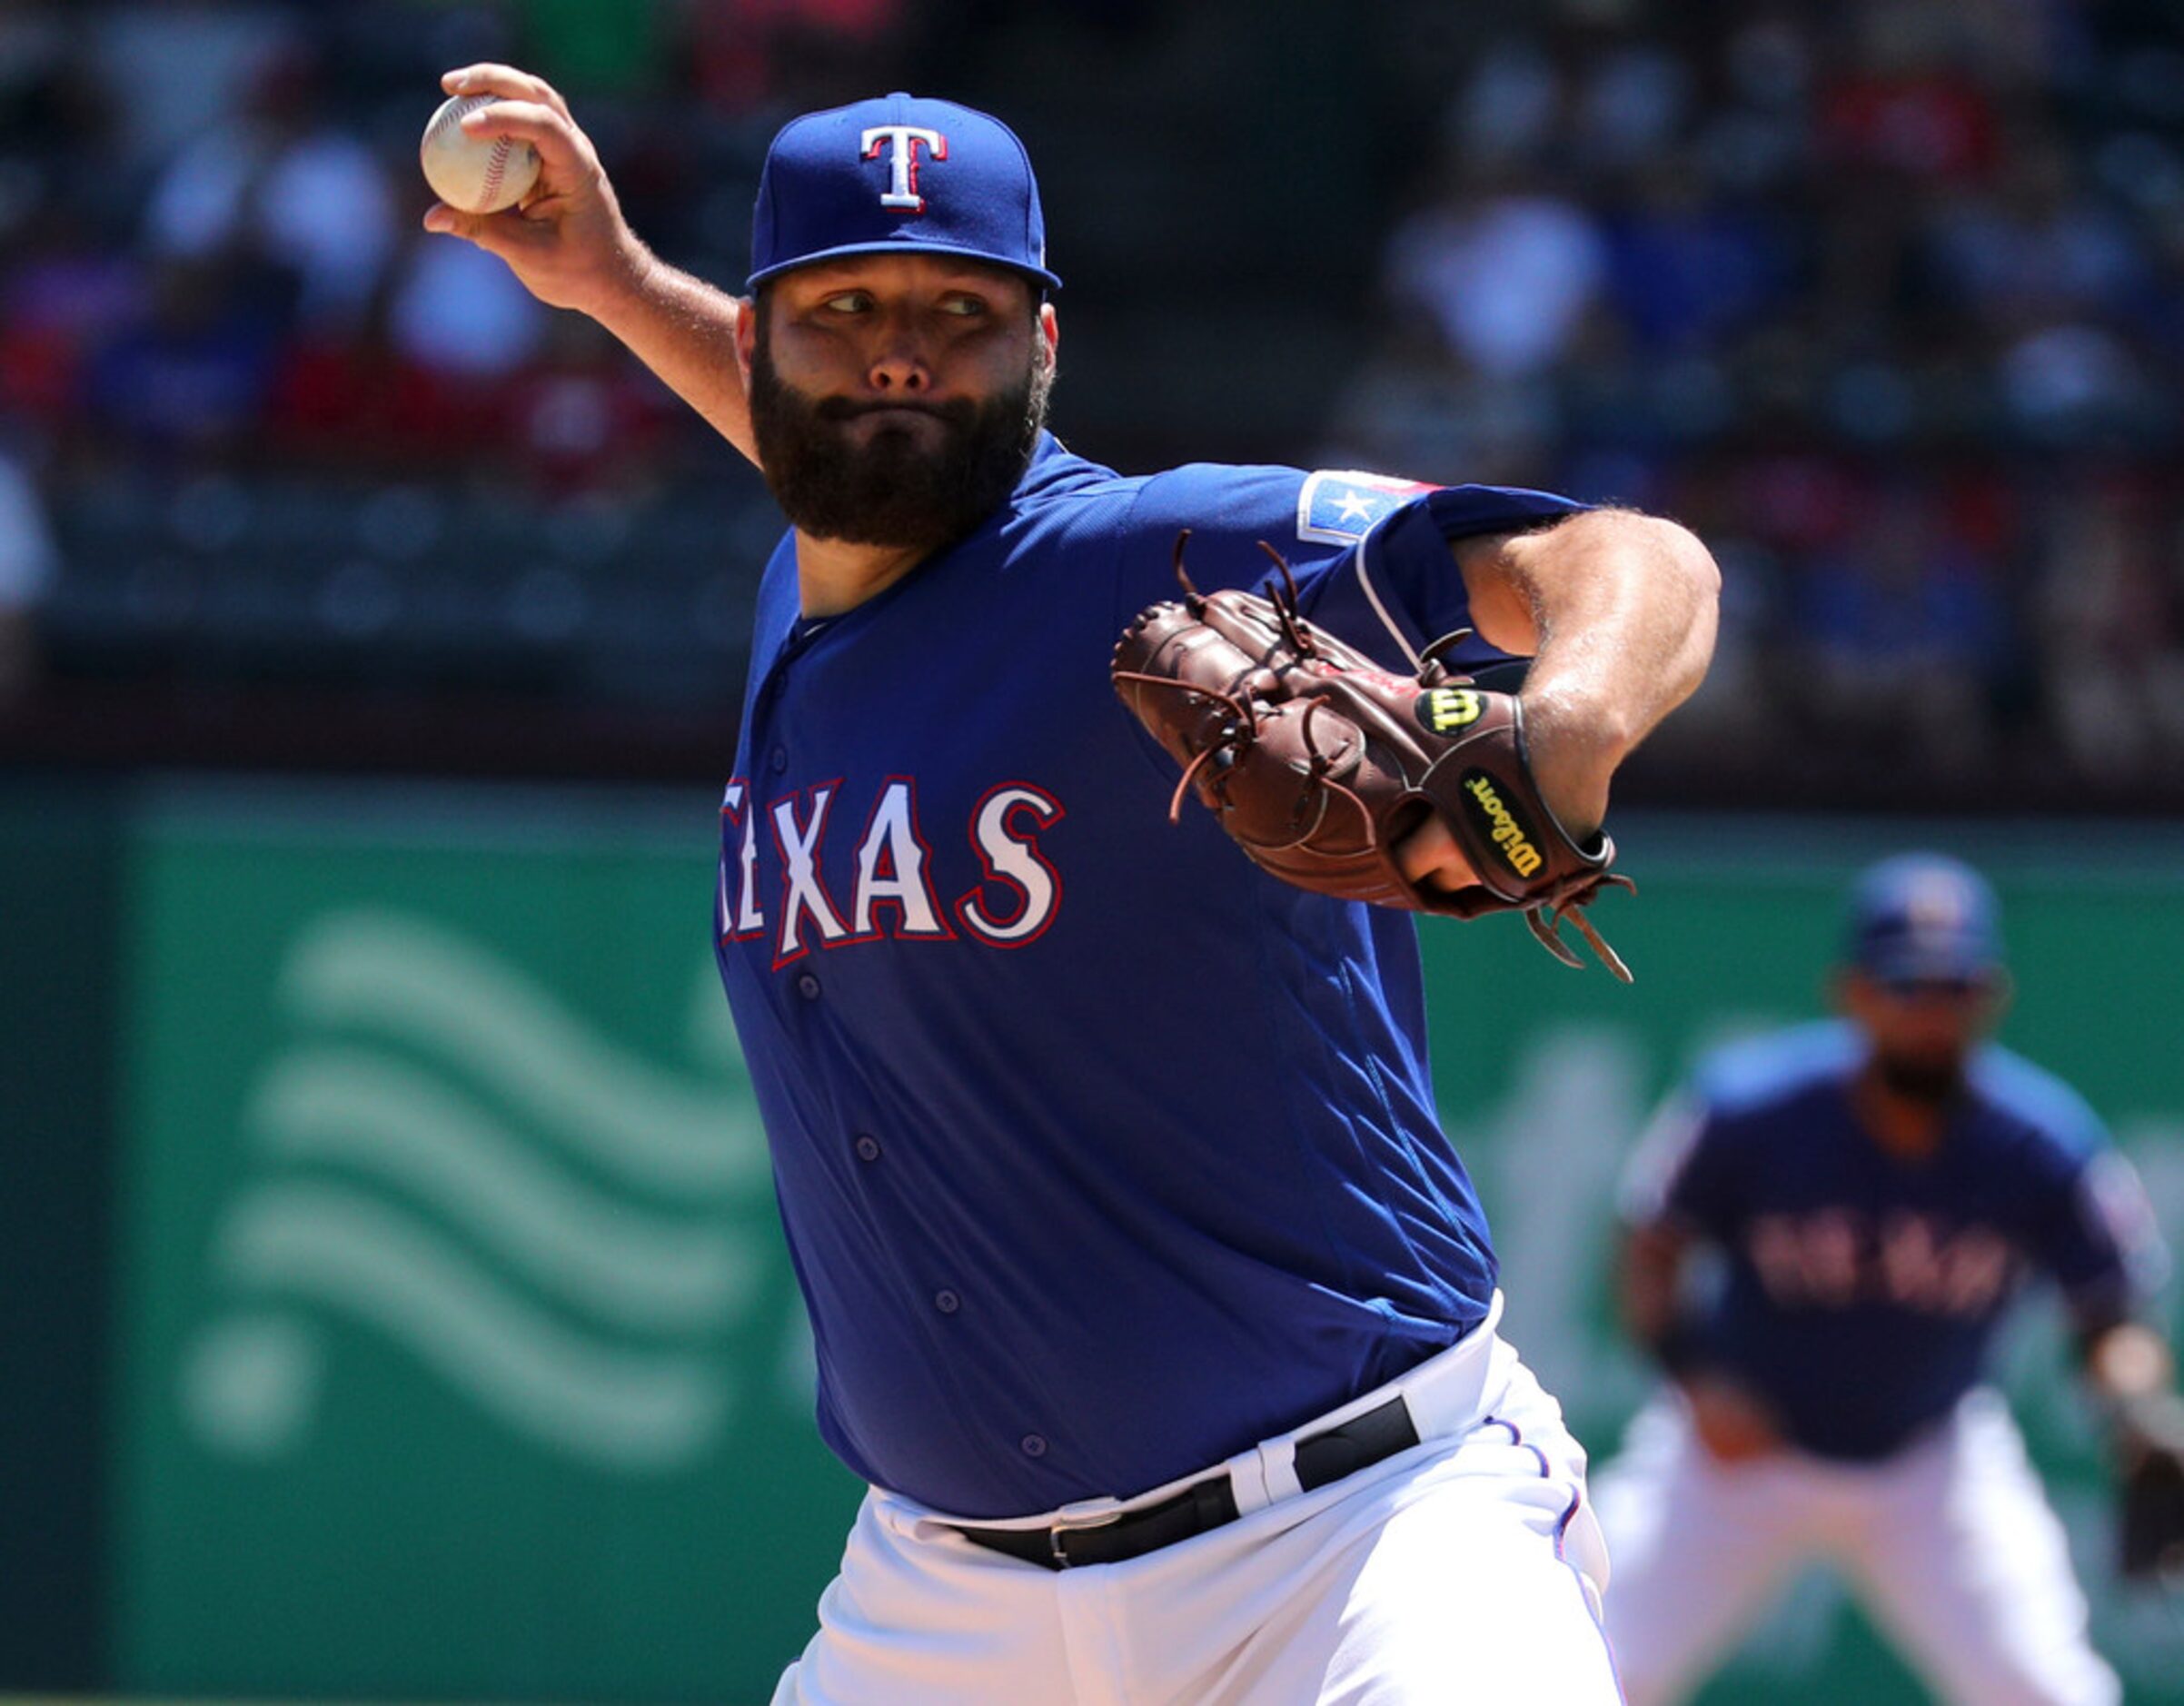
pixel 774 877
pixel 1840 1258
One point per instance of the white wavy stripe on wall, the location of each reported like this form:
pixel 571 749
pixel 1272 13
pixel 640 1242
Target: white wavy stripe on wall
pixel 636 1268
pixel 406 977
pixel 624 1409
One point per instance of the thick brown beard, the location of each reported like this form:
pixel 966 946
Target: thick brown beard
pixel 889 493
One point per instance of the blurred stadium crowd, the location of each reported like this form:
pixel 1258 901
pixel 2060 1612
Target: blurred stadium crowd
pixel 1884 297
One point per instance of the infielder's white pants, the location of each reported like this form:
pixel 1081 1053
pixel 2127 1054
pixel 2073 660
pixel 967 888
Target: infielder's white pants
pixel 1949 1544
pixel 1467 1569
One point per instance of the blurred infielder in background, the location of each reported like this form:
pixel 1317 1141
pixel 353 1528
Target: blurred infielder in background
pixel 1825 1228
pixel 1147 1294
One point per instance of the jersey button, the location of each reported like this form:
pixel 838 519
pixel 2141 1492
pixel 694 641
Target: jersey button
pixel 807 986
pixel 778 759
pixel 947 1302
pixel 1034 1445
pixel 868 1147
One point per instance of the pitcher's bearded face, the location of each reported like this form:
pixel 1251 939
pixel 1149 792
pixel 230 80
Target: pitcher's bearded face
pixel 919 439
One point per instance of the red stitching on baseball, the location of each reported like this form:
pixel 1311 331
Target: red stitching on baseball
pixel 494 162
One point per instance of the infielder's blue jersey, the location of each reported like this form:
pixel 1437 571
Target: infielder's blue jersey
pixel 1101 1154
pixel 1860 1290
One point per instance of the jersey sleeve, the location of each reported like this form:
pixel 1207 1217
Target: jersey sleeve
pixel 1398 588
pixel 2093 1229
pixel 1369 552
pixel 1677 1173
pixel 2104 1246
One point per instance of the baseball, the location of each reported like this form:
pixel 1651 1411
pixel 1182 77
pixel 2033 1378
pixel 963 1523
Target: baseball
pixel 479 175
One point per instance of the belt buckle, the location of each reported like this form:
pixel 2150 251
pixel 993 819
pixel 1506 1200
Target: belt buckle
pixel 1071 1518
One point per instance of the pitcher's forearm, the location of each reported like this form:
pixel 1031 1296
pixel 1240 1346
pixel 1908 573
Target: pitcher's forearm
pixel 684 330
pixel 1618 610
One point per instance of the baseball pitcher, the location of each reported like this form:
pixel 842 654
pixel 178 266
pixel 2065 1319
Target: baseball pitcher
pixel 1148 1298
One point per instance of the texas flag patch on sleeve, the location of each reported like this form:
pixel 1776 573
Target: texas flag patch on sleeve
pixel 1338 506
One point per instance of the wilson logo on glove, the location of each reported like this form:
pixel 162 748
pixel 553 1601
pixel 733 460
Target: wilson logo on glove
pixel 1446 707
pixel 1317 762
pixel 1509 837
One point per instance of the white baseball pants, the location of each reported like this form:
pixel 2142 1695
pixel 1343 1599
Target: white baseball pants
pixel 1466 1568
pixel 1950 1545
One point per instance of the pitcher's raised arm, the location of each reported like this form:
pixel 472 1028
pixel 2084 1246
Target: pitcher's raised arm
pixel 568 244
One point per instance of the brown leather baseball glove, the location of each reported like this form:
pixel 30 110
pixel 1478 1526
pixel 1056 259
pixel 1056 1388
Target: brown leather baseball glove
pixel 1318 761
pixel 2150 1489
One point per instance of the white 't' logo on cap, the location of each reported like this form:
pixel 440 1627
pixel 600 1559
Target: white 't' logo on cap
pixel 902 161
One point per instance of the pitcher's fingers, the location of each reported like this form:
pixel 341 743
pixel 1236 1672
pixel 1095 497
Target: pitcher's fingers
pixel 452 222
pixel 544 129
pixel 1429 856
pixel 1419 853
pixel 505 81
pixel 504 233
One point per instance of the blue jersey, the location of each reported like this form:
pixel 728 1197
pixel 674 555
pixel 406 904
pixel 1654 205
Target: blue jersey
pixel 1860 1291
pixel 1101 1154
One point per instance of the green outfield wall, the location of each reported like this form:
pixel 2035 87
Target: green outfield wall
pixel 446 1348
pixel 463 1358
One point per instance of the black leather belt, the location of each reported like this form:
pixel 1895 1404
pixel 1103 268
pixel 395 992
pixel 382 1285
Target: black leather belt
pixel 1321 1458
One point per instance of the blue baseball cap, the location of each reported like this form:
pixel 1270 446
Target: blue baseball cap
pixel 898 175
pixel 1924 918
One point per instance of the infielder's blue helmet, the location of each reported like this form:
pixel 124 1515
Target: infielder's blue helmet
pixel 898 175
pixel 1924 918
